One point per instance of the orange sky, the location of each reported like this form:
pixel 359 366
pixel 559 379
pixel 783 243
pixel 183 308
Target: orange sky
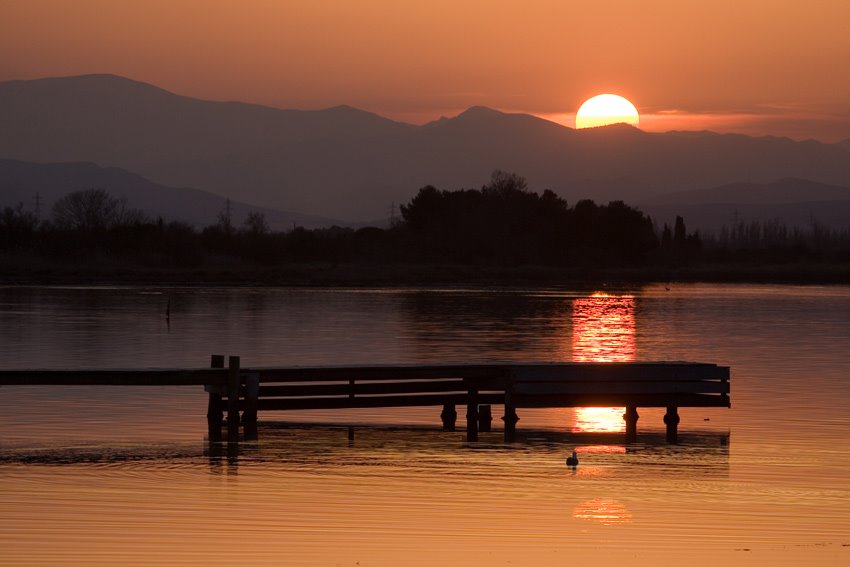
pixel 755 66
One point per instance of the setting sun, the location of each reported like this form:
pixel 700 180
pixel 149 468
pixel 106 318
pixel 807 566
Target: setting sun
pixel 605 109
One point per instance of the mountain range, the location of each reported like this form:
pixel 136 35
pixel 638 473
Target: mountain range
pixel 349 164
pixel 790 201
pixel 21 181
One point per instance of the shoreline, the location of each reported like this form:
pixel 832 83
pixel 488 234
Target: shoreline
pixel 427 275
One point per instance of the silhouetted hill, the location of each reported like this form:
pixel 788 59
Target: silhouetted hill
pixel 20 181
pixel 346 163
pixel 788 190
pixel 792 201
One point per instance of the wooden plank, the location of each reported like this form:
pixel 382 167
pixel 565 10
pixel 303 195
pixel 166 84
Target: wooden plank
pixel 372 402
pixel 619 371
pixel 493 374
pixel 157 377
pixel 498 375
pixel 662 387
pixel 358 389
pixel 362 373
pixel 620 400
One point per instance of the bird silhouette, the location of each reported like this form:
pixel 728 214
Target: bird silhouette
pixel 572 461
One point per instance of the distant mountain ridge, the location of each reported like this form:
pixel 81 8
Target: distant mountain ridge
pixel 788 190
pixel 21 181
pixel 350 164
pixel 791 201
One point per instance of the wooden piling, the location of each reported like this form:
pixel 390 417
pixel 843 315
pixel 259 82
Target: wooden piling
pixel 671 419
pixel 233 399
pixel 510 418
pixel 485 418
pixel 631 417
pixel 472 415
pixel 215 415
pixel 249 414
pixel 449 417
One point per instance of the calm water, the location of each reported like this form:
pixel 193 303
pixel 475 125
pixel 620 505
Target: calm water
pixel 115 476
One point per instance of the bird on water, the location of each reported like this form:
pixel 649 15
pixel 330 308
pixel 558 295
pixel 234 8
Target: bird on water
pixel 572 461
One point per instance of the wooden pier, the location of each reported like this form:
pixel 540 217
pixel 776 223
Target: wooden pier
pixel 242 393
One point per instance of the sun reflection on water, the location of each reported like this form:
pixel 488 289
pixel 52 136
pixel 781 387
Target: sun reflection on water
pixel 604 328
pixel 603 331
pixel 606 511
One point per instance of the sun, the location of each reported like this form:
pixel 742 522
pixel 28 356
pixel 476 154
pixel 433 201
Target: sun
pixel 606 109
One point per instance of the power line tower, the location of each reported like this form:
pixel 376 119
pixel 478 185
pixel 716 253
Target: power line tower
pixel 224 221
pixel 393 218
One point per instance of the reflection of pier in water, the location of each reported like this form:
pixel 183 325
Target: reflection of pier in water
pixel 334 445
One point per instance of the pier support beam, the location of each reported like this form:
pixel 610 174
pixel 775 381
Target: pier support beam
pixel 449 417
pixel 249 414
pixel 215 410
pixel 631 416
pixel 671 419
pixel 472 415
pixel 485 418
pixel 510 418
pixel 233 399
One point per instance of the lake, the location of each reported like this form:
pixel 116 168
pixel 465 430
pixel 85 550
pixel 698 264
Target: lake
pixel 111 475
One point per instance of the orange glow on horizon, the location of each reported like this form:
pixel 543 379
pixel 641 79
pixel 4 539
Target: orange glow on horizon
pixel 382 56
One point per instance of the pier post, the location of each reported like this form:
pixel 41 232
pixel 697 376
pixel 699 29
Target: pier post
pixel 215 415
pixel 510 418
pixel 472 415
pixel 233 399
pixel 449 417
pixel 249 414
pixel 631 416
pixel 485 418
pixel 671 419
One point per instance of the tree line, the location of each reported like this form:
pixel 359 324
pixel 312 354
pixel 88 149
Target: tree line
pixel 503 223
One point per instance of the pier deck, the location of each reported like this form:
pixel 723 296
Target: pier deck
pixel 247 391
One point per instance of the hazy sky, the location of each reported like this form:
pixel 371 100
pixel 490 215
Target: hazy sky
pixel 755 66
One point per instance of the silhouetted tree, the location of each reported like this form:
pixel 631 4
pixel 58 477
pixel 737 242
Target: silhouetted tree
pixel 666 237
pixel 255 224
pixel 504 184
pixel 505 223
pixel 678 246
pixel 224 223
pixel 679 231
pixel 16 227
pixel 92 210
